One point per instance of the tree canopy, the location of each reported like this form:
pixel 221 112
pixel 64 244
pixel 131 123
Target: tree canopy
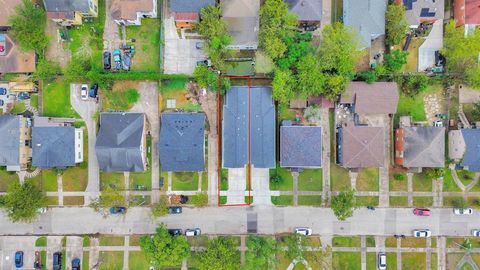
pixel 395 60
pixel 162 249
pixel 343 205
pixel 260 253
pixel 22 201
pixel 221 254
pixel 282 86
pixel 395 24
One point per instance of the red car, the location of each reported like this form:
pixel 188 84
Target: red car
pixel 421 212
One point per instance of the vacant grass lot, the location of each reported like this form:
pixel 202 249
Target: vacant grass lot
pixel 310 180
pixel 147 45
pixel 111 260
pixel 398 201
pixel 347 260
pixel 345 241
pixel 184 180
pixel 176 89
pixel 56 100
pixel 367 180
pixel 137 260
pixel 310 200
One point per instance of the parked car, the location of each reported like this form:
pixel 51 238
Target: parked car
pixel 117 59
pixel 462 211
pixel 118 210
pixel 310 28
pixel 37 263
pixel 303 231
pixel 206 62
pixel 1 102
pixel 421 212
pixel 476 232
pixel 175 232
pixel 438 123
pixel 23 95
pixel 57 261
pixel 3 91
pixel 84 92
pixel 19 259
pixel 93 91
pixel 41 210
pixel 422 233
pixel 107 60
pixel 175 210
pixel 76 264
pixel 193 232
pixel 127 61
pixel 382 261
pixel 199 45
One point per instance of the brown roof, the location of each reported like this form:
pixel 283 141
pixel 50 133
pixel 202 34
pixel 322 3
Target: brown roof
pixel 363 147
pixel 127 9
pixel 298 104
pixel 15 61
pixel 466 12
pixel 60 15
pixel 375 98
pixel 186 16
pixel 7 9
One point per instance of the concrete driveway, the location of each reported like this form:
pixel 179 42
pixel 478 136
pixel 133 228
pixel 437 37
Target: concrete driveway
pixel 87 109
pixel 74 250
pixel 54 244
pixel 237 184
pixel 111 36
pixel 261 186
pixel 11 244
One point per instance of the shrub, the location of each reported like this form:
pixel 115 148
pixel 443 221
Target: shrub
pixel 200 200
pixel 132 95
pixel 399 176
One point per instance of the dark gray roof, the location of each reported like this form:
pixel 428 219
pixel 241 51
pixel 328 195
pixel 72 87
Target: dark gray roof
pixel 367 17
pixel 424 147
pixel 53 147
pixel 307 10
pixel 189 5
pixel 300 146
pixel 9 140
pixel 119 142
pixel 262 127
pixel 471 158
pixel 182 141
pixel 66 5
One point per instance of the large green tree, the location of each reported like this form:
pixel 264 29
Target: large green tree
pixel 28 27
pixel 162 249
pixel 22 201
pixel 395 60
pixel 343 205
pixel 396 24
pixel 260 253
pixel 283 86
pixel 310 80
pixel 221 254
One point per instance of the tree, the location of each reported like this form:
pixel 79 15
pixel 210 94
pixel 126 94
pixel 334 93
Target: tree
pixel 395 60
pixel 476 111
pixel 163 249
pixel 310 80
pixel 161 208
pixel 395 24
pixel 22 201
pixel 208 78
pixel 335 85
pixel 47 70
pixel 435 173
pixel 343 204
pixel 132 95
pixel 298 46
pixel 260 253
pixel 221 254
pixel 28 27
pixel 282 86
pixel 369 76
pixel 294 246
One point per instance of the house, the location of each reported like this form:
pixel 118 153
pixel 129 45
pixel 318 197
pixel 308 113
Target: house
pixel 463 146
pixel 12 59
pixel 420 147
pixel 361 147
pixel 128 12
pixel 56 143
pixel 7 10
pixel 248 134
pixel 300 146
pixel 182 142
pixel 367 18
pixel 428 52
pixel 467 13
pixel 187 12
pixel 375 98
pixel 309 12
pixel 14 140
pixel 121 142
pixel 422 11
pixel 242 19
pixel 70 12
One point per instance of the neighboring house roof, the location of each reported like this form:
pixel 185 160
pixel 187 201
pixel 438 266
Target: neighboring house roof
pixel 119 142
pixel 13 60
pixel 466 12
pixel 375 98
pixel 236 126
pixel 9 140
pixel 419 11
pixel 67 5
pixel 242 19
pixel 53 147
pixel 433 42
pixel 7 10
pixel 300 146
pixel 189 5
pixel 306 10
pixel 367 17
pixel 424 147
pixel 128 9
pixel 61 15
pixel 471 158
pixel 362 146
pixel 182 141
pixel 186 16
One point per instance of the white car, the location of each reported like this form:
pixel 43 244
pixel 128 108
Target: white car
pixel 41 210
pixel 422 233
pixel 303 231
pixel 84 92
pixel 192 232
pixel 462 211
pixel 476 232
pixel 382 261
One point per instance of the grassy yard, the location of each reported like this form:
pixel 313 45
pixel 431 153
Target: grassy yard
pixel 367 180
pixel 340 180
pixel 366 201
pixel 56 100
pixel 41 241
pixel 85 261
pixel 111 260
pixel 52 201
pixel 285 113
pixel 286 184
pixel 137 260
pixel 34 101
pixel 448 182
pixel 412 58
pixel 347 260
pixel 6 178
pixel 73 200
pixel 114 180
pixel 263 64
pixel 414 242
pixel 147 45
pixel 310 200
pixel 414 261
pixel 345 241
pixel 398 201
pixel 399 184
pixel 121 97
pixel 371 261
pixel 108 240
pixel 184 180
pixel 18 107
pixel 413 107
pixel 141 179
pixel 282 200
pixel 310 180
pixel 421 182
pixel 176 89
pixel 391 242
pixel 392 261
pixel 422 201
pixel 450 201
pixel 46 180
pixel 75 179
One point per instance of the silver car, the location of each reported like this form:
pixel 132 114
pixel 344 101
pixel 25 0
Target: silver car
pixel 462 211
pixel 382 261
pixel 422 233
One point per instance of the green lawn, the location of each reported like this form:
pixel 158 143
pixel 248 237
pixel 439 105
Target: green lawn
pixel 398 185
pixel 310 200
pixel 422 201
pixel 86 241
pixel 34 101
pixel 114 180
pixel 75 179
pixel 346 260
pixel 46 181
pixel 263 64
pixel 310 180
pixel 398 201
pixel 391 261
pixel 134 240
pixel 121 97
pixel 73 200
pixel 448 182
pixel 366 201
pixel 346 241
pixel 147 45
pixel 421 182
pixel 56 100
pixel 371 261
pixel 414 242
pixel 223 179
pixel 176 89
pixel 18 107
pixel 286 184
pixel 184 181
pixel 450 201
pixel 137 260
pixel 141 181
pixel 411 106
pixel 41 241
pixel 284 113
pixel 172 85
pixel 367 179
pixel 52 201
pixel 340 180
pixel 85 261
pixel 108 240
pixel 111 260
pixel 6 178
pixel 282 200
pixel 414 261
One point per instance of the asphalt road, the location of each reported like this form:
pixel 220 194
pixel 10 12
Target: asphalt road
pixel 235 220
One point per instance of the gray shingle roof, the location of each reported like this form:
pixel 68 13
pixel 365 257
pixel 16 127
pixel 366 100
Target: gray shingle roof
pixel 67 5
pixel 119 142
pixel 9 140
pixel 362 146
pixel 307 10
pixel 375 98
pixel 262 127
pixel 189 5
pixel 367 17
pixel 424 147
pixel 300 146
pixel 53 147
pixel 182 141
pixel 471 158
pixel 242 19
